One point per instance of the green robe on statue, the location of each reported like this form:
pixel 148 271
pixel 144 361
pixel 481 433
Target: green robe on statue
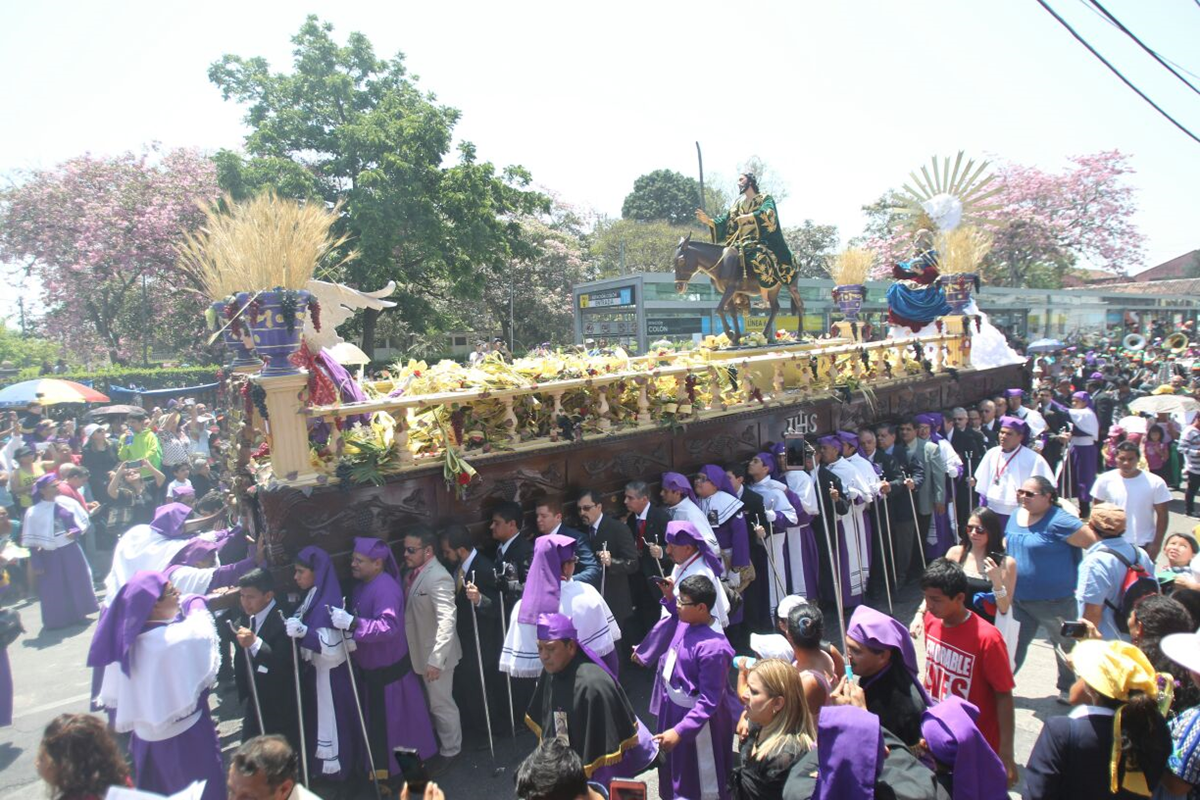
pixel 759 241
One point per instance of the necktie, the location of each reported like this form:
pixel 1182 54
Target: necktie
pixel 641 542
pixel 254 624
pixel 458 580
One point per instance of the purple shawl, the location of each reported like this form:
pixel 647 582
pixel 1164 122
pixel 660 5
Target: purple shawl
pixel 678 483
pixel 169 520
pixel 194 552
pixel 954 740
pixel 124 619
pixel 377 548
pixel 683 532
pixel 543 585
pixel 328 592
pixel 559 626
pixel 849 753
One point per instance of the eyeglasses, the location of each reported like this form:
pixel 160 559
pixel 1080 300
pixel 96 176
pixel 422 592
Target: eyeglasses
pixel 412 550
pixel 1026 493
pixel 682 604
pixel 587 508
pixel 976 529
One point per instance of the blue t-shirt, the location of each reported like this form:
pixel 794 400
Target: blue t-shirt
pixel 1100 577
pixel 1046 564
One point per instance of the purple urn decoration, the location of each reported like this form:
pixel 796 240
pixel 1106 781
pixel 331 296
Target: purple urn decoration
pixel 276 320
pixel 958 287
pixel 234 335
pixel 849 298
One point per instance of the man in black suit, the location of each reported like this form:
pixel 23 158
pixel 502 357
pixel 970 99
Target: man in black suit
pixel 882 548
pixel 548 519
pixel 970 446
pixel 475 588
pixel 648 524
pixel 909 473
pixel 1057 421
pixel 514 552
pixel 261 634
pixel 757 596
pixel 613 542
pixel 992 411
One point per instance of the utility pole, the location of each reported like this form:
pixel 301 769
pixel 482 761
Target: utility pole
pixel 145 324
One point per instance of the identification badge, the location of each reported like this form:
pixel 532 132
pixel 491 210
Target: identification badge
pixel 561 730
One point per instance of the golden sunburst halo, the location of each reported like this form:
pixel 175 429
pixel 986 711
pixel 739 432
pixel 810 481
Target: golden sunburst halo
pixel 946 196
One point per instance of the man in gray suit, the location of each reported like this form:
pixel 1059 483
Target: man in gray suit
pixel 930 494
pixel 433 646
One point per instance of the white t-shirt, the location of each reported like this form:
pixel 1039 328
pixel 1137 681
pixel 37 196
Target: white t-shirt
pixel 1138 496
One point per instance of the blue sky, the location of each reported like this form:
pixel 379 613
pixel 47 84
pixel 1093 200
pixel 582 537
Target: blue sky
pixel 841 99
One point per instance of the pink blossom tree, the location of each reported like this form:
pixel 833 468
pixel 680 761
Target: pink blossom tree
pixel 98 235
pixel 1045 223
pixel 1048 221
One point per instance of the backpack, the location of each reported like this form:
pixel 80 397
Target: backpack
pixel 10 627
pixel 1136 584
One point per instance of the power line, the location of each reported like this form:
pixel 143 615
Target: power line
pixel 1142 45
pixel 1170 61
pixel 1117 72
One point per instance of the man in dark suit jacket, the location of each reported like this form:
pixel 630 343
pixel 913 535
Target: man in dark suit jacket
pixel 648 525
pixel 882 549
pixel 514 552
pixel 548 519
pixel 970 446
pixel 476 600
pixel 900 509
pixel 613 542
pixel 261 633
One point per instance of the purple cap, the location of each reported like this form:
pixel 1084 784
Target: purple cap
pixel 44 481
pixel 935 421
pixel 849 753
pixel 377 549
pixel 769 461
pixel 559 626
pixel 543 583
pixel 182 491
pixel 194 552
pixel 678 483
pixel 124 618
pixel 680 531
pixel 879 631
pixel 169 519
pixel 1017 424
pixel 717 476
pixel 954 739
pixel 1096 376
pixel 830 441
pixel 1014 392
pixel 848 438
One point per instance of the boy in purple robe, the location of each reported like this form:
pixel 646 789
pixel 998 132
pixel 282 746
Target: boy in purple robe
pixel 392 697
pixel 333 735
pixel 51 530
pixel 696 708
pixel 717 499
pixel 165 651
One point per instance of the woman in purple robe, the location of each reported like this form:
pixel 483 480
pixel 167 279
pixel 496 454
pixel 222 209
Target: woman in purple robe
pixel 393 698
pixel 333 735
pixel 166 651
pixel 51 530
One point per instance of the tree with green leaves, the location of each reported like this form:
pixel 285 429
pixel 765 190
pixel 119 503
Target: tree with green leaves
pixel 624 246
pixel 667 196
pixel 345 126
pixel 812 245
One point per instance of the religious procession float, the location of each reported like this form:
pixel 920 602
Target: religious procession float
pixel 323 457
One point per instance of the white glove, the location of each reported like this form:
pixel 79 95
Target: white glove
pixel 733 578
pixel 341 618
pixel 771 515
pixel 295 628
pixel 656 551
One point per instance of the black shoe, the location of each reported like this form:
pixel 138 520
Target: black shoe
pixel 439 764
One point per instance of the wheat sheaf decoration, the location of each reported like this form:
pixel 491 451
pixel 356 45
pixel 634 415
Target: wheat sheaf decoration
pixel 266 242
pixel 851 266
pixel 962 250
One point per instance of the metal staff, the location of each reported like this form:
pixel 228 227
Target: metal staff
pixel 362 720
pixel 658 563
pixel 887 520
pixel 920 534
pixel 299 702
pixel 953 517
pixel 970 477
pixel 512 725
pixel 603 569
pixel 887 582
pixel 487 714
pixel 250 679
pixel 836 567
pixel 780 586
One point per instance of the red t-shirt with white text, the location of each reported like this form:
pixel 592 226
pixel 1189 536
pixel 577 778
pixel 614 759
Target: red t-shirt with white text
pixel 969 660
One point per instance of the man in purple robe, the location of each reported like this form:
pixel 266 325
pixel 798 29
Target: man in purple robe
pixel 392 700
pixel 695 706
pixel 51 529
pixel 717 499
pixel 164 651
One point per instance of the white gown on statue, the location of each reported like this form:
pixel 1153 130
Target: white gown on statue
pixel 989 348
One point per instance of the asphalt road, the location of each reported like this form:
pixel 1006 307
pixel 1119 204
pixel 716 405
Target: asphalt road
pixel 50 678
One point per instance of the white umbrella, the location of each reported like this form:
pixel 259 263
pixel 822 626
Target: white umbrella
pixel 1134 424
pixel 1164 404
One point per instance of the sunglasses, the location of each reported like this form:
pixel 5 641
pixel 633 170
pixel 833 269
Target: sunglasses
pixel 412 550
pixel 976 529
pixel 1026 493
